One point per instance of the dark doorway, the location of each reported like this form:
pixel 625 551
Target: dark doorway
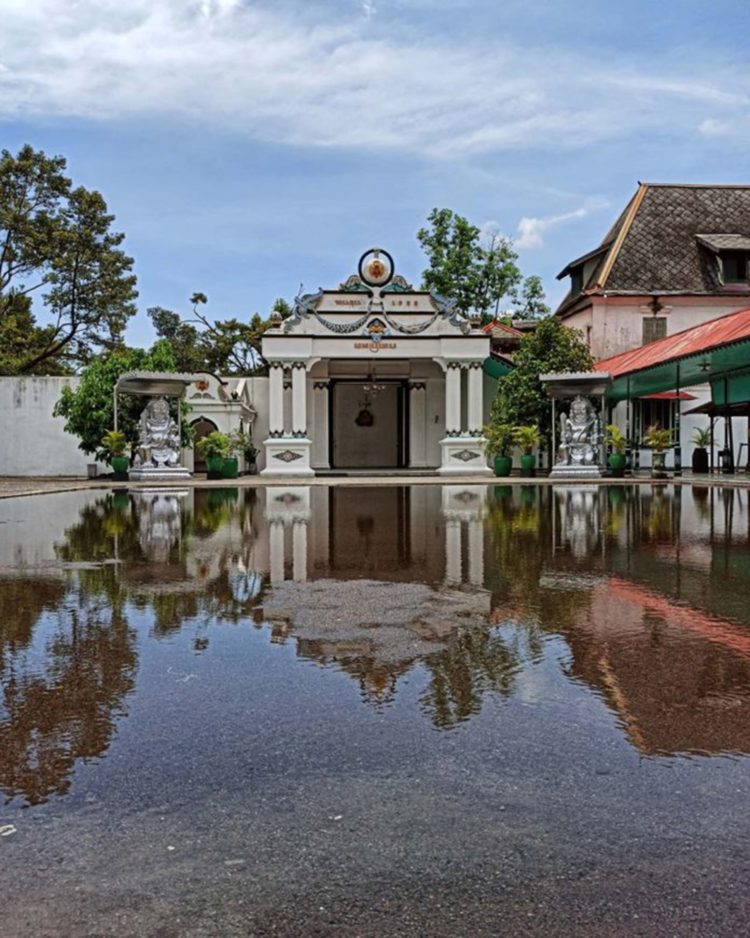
pixel 201 428
pixel 368 424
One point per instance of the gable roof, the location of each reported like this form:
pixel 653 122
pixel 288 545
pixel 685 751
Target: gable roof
pixel 659 244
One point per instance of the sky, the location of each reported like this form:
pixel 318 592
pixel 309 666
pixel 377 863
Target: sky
pixel 248 147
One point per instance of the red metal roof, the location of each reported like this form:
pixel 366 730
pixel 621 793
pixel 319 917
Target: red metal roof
pixel 668 396
pixel 702 338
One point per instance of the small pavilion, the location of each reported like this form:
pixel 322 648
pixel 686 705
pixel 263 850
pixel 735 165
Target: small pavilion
pixel 376 375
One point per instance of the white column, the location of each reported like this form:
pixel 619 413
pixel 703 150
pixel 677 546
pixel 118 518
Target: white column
pixel 475 382
pixel 299 551
pixel 299 399
pixel 453 550
pixel 276 399
pixel 276 550
pixel 453 399
pixel 476 552
pixel 417 424
pixel 319 431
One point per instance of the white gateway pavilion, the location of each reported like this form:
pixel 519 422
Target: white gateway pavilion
pixel 375 375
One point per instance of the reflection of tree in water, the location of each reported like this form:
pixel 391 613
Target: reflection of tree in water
pixel 475 664
pixel 520 528
pixel 64 709
pixel 22 601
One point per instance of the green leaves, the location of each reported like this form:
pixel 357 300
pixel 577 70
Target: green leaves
pixel 222 346
pixel 521 398
pixel 57 253
pixel 89 410
pixel 461 268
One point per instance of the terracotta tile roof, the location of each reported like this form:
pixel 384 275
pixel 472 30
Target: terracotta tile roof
pixel 708 335
pixel 498 328
pixel 655 245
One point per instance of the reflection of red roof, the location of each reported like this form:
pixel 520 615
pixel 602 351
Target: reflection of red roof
pixel 496 326
pixel 714 629
pixel 702 338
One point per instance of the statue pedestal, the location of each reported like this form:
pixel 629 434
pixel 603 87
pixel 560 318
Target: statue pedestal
pixel 576 472
pixel 159 474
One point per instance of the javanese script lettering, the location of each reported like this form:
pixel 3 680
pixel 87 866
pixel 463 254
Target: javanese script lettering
pixel 374 346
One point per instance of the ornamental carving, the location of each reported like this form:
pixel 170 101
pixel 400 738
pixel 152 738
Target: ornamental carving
pixel 287 456
pixel 466 455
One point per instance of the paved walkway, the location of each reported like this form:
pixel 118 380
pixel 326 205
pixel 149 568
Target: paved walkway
pixel 12 487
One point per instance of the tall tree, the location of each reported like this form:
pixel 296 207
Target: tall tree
pixel 521 397
pixel 89 409
pixel 532 300
pixel 476 275
pixel 57 248
pixel 222 346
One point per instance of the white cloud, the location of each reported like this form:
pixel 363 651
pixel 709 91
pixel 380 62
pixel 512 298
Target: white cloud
pixel 301 75
pixel 531 231
pixel 714 128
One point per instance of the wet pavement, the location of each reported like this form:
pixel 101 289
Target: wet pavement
pixel 420 710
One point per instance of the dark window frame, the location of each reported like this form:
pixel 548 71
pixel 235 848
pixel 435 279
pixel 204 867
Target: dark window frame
pixel 652 321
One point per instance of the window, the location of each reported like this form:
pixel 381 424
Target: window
pixel 654 327
pixel 734 266
pixel 648 412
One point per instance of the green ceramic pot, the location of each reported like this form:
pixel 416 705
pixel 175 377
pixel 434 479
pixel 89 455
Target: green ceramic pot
pixel 120 464
pixel 528 465
pixel 215 467
pixel 617 463
pixel 503 466
pixel 230 467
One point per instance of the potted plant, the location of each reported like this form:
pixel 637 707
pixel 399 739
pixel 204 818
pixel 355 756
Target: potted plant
pixel 115 448
pixel 659 439
pixel 235 448
pixel 214 449
pixel 526 438
pixel 615 438
pixel 702 440
pixel 499 442
pixel 251 455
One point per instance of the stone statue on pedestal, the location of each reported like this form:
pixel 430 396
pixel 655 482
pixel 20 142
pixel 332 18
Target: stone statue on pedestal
pixel 579 440
pixel 157 452
pixel 158 436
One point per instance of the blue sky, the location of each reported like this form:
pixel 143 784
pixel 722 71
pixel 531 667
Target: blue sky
pixel 249 147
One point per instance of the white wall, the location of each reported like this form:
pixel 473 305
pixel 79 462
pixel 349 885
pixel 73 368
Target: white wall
pixel 617 322
pixel 34 442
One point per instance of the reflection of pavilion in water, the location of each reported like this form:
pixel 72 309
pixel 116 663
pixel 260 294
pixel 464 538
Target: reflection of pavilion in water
pixel 431 534
pixel 424 540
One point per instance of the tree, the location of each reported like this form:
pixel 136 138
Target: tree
pixel 89 410
pixel 521 397
pixel 56 246
pixel 532 300
pixel 461 268
pixel 226 347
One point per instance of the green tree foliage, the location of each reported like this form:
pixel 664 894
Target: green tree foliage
pixel 57 254
pixel 89 410
pixel 476 275
pixel 225 347
pixel 521 397
pixel 531 303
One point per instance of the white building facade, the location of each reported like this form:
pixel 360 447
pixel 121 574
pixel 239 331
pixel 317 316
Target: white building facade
pixel 375 375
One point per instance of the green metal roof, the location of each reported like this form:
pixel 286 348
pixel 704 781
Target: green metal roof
pixel 496 368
